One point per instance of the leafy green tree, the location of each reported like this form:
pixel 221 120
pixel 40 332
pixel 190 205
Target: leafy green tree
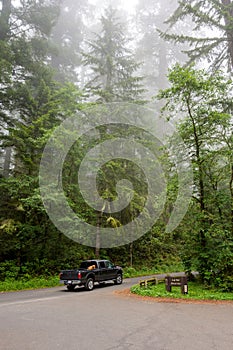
pixel 212 33
pixel 25 229
pixel 203 103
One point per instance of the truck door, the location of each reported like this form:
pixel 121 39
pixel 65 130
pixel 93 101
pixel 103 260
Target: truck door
pixel 103 271
pixel 111 271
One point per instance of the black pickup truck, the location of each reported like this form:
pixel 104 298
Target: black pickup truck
pixel 91 271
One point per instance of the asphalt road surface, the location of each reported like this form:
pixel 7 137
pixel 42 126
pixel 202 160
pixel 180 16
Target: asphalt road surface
pixel 52 319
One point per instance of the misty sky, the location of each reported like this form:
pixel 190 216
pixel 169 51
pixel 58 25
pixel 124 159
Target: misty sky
pixel 126 4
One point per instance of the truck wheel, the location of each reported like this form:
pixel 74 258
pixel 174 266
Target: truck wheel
pixel 89 284
pixel 70 287
pixel 118 280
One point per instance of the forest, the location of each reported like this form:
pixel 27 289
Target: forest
pixel 116 135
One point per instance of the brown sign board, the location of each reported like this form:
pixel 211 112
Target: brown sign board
pixel 178 281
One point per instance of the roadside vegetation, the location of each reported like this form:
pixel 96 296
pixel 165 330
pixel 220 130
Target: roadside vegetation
pixel 196 291
pixel 145 271
pixel 28 282
pixel 13 282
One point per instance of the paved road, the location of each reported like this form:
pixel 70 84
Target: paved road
pixel 102 320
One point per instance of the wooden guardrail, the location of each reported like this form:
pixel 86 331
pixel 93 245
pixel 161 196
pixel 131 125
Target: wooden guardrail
pixel 176 281
pixel 151 281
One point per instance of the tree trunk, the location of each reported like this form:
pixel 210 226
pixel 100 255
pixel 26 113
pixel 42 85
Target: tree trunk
pixel 231 192
pixel 200 177
pixel 228 17
pixel 97 241
pixel 163 66
pixel 5 19
pixel 131 254
pixel 7 162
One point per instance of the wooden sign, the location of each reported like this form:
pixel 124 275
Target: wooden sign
pixel 179 281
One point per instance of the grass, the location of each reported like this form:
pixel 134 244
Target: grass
pixel 195 291
pixel 28 283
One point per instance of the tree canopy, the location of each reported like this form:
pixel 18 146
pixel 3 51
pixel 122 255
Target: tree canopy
pixel 211 35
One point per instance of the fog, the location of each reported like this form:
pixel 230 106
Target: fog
pixel 80 22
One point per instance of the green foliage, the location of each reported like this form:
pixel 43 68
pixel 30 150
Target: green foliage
pixel 28 282
pixel 169 266
pixel 206 129
pixel 214 44
pixel 196 291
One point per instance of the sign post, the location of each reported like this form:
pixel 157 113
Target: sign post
pixel 179 281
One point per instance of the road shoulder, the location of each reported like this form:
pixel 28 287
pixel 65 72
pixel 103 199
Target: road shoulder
pixel 129 294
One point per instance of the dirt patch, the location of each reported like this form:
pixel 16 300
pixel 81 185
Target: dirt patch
pixel 127 293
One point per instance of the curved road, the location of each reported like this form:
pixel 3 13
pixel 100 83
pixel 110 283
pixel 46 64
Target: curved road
pixel 53 318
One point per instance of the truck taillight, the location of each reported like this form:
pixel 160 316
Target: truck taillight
pixel 79 275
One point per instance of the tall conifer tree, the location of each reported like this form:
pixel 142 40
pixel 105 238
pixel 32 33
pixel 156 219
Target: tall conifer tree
pixel 112 63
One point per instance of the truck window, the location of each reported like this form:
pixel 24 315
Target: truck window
pixel 93 263
pixel 84 265
pixel 109 265
pixel 102 265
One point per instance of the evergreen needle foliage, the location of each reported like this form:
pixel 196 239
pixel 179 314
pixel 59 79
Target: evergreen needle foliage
pixel 114 68
pixel 211 33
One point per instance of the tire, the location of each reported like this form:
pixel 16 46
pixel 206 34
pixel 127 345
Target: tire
pixel 70 287
pixel 89 285
pixel 118 280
